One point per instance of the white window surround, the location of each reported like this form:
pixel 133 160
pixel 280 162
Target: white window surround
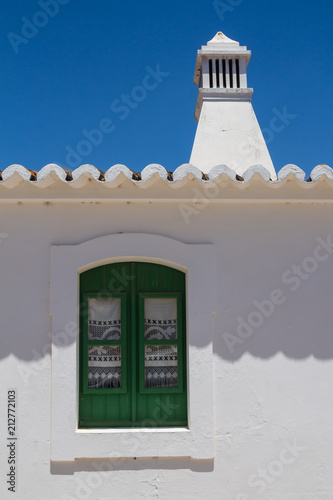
pixel 67 262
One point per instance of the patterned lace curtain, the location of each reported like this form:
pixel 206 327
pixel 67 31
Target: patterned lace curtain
pixel 104 362
pixel 160 319
pixel 161 361
pixel 104 366
pixel 104 319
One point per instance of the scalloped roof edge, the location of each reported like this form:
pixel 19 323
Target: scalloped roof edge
pixel 52 172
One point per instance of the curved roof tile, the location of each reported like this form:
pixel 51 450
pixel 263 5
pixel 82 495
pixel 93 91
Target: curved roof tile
pixel 16 174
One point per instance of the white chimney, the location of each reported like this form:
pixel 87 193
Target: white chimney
pixel 228 132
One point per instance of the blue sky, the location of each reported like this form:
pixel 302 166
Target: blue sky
pixel 68 75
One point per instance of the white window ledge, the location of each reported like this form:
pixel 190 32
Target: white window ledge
pixel 67 262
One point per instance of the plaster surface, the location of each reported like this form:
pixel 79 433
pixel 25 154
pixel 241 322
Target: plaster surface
pixel 272 387
pixel 228 133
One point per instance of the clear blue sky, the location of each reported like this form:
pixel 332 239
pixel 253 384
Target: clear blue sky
pixel 62 78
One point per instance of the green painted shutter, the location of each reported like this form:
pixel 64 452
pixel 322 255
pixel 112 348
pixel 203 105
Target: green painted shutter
pixel 146 386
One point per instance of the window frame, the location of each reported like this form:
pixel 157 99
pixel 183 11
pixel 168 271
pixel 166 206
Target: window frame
pixel 141 406
pixel 198 261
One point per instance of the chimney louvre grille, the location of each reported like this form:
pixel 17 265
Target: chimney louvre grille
pixel 223 73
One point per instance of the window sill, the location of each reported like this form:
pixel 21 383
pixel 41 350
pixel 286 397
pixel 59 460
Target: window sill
pixel 133 430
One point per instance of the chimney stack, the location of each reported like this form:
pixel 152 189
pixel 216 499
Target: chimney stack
pixel 228 132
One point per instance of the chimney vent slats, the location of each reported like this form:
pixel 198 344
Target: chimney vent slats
pixel 237 73
pixel 224 74
pixel 217 67
pixel 214 73
pixel 227 72
pixel 210 73
pixel 231 73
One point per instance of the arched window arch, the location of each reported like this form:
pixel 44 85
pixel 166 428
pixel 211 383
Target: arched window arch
pixel 132 350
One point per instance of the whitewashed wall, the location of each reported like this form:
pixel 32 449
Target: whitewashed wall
pixel 273 394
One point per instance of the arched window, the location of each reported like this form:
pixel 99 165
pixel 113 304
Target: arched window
pixel 132 346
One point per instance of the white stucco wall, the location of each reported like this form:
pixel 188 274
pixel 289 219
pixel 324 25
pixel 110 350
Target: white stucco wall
pixel 273 402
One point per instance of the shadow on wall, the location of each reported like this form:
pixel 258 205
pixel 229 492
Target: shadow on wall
pixel 293 317
pixel 280 301
pixel 271 296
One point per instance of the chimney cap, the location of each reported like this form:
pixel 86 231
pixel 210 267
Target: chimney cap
pixel 218 47
pixel 221 38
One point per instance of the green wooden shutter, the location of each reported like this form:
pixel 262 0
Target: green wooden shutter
pixel 131 374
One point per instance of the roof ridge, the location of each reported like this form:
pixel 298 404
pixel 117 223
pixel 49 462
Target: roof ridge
pixel 15 174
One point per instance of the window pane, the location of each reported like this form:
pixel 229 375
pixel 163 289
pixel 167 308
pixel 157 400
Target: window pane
pixel 104 366
pixel 161 366
pixel 160 319
pixel 104 319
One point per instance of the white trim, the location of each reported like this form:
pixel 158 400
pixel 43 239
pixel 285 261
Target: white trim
pixel 67 262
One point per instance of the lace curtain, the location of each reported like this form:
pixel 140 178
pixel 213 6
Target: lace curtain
pixel 161 361
pixel 104 362
pixel 104 319
pixel 104 366
pixel 160 323
pixel 160 319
